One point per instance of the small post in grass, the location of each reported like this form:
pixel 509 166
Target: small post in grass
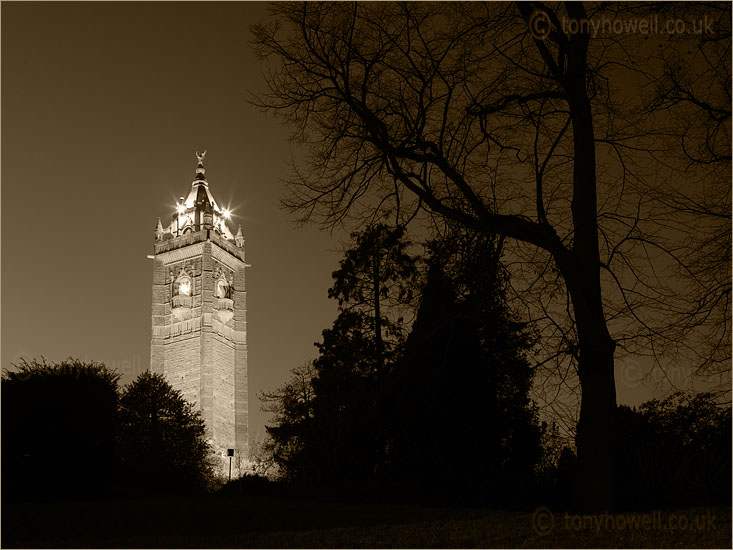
pixel 230 454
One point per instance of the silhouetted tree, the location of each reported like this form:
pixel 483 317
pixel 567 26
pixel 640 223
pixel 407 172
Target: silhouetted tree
pixel 450 407
pixel 328 426
pixel 376 277
pixel 326 421
pixel 374 287
pixel 674 452
pixel 460 394
pixel 291 404
pixel 556 468
pixel 690 100
pixel 502 119
pixel 162 438
pixel 59 422
pixel 347 423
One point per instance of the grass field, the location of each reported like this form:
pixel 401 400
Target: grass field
pixel 268 522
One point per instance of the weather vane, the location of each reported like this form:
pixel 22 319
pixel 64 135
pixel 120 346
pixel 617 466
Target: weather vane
pixel 200 156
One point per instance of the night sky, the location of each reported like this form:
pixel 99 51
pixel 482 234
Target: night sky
pixel 103 107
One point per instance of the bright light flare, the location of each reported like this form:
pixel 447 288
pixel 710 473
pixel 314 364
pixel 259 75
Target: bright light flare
pixel 185 289
pixel 227 214
pixel 181 209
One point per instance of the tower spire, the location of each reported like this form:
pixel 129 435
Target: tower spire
pixel 198 211
pixel 200 171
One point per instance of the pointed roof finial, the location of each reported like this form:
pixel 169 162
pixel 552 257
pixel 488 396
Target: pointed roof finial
pixel 159 231
pixel 200 168
pixel 239 238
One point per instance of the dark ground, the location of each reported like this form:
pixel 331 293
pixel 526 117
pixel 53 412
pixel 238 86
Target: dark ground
pixel 260 521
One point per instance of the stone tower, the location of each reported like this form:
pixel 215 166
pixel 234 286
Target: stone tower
pixel 199 340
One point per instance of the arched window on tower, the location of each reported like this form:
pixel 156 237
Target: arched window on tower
pixel 184 286
pixel 182 291
pixel 224 302
pixel 222 289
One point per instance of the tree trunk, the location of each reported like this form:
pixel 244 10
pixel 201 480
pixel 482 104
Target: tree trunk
pixel 377 304
pixel 595 435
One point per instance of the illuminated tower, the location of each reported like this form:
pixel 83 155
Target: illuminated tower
pixel 199 340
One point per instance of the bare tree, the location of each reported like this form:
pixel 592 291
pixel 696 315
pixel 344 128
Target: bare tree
pixel 507 120
pixel 691 96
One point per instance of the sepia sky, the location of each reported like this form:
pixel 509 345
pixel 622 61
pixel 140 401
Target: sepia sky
pixel 103 107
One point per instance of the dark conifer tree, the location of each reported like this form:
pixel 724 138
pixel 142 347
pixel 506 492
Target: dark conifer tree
pixel 340 437
pixel 447 408
pixel 464 422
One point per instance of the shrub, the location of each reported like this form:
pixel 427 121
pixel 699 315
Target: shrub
pixel 162 438
pixel 58 429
